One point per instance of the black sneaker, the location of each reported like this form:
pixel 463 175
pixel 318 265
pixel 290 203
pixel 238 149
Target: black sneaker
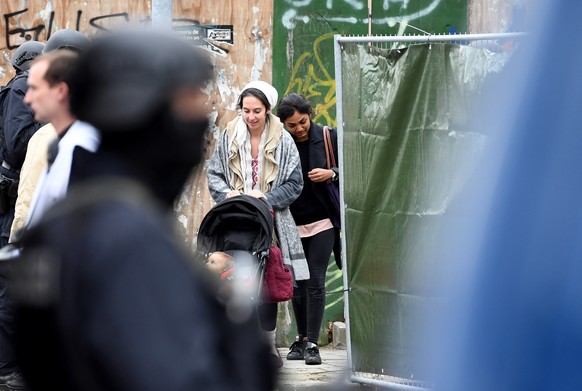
pixel 312 356
pixel 16 382
pixel 296 351
pixel 5 378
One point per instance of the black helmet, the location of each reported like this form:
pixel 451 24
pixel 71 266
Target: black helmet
pixel 124 77
pixel 25 54
pixel 67 39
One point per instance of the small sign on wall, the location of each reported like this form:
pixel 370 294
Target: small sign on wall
pixel 208 36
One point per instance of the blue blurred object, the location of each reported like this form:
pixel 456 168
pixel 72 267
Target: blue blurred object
pixel 515 320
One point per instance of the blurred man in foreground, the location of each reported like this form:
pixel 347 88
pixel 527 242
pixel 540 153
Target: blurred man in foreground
pixel 106 298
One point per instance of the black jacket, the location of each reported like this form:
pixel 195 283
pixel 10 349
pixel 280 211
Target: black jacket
pixel 317 160
pixel 18 122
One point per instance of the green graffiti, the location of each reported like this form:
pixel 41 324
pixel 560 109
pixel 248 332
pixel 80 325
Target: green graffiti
pixel 311 78
pixel 334 302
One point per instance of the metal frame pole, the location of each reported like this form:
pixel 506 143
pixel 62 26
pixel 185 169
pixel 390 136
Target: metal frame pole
pixel 385 384
pixel 340 140
pixel 430 38
pixel 162 14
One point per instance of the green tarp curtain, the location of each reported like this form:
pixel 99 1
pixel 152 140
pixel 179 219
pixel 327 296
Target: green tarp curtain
pixel 408 151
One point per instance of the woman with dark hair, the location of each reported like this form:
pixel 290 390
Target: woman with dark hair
pixel 255 156
pixel 312 213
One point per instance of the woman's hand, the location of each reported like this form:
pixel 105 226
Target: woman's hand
pixel 257 194
pixel 320 175
pixel 232 193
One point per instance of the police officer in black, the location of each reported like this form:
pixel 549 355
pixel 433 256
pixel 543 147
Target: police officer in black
pixel 17 125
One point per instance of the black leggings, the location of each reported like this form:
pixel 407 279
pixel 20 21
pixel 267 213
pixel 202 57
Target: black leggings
pixel 268 316
pixel 309 297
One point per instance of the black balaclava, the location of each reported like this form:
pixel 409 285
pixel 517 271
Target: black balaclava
pixel 123 85
pixel 162 161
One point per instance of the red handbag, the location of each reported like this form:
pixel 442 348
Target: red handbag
pixel 278 281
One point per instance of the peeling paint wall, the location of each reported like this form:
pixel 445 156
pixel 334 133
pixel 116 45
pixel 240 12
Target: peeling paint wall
pixel 247 58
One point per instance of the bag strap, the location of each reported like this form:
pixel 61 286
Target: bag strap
pixel 329 155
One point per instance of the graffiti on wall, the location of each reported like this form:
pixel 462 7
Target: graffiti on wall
pixel 310 75
pixel 36 29
pixel 395 12
pixel 310 78
pixel 25 24
pixel 209 37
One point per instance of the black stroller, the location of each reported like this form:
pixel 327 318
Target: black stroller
pixel 242 227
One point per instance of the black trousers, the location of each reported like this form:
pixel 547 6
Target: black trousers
pixel 7 353
pixel 309 297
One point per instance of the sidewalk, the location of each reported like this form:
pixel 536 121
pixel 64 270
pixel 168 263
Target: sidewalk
pixel 332 374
